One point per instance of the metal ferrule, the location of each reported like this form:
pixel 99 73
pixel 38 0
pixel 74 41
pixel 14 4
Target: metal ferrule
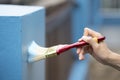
pixel 51 52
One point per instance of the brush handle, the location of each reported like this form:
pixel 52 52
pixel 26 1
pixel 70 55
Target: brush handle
pixel 77 44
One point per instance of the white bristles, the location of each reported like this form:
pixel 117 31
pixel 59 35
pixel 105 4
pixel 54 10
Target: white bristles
pixel 35 52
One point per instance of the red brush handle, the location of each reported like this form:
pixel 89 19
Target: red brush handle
pixel 77 44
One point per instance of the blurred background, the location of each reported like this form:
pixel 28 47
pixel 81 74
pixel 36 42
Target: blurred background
pixel 65 21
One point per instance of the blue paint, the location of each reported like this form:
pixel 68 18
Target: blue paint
pixel 10 49
pixel 34 29
pixel 19 26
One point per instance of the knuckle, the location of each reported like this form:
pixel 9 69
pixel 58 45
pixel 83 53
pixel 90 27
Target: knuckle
pixel 89 40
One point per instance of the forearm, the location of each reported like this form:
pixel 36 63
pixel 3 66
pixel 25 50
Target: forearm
pixel 114 60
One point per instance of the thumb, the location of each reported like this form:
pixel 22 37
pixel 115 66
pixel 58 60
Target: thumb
pixel 91 41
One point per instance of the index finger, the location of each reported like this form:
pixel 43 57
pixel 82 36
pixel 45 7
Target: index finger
pixel 90 32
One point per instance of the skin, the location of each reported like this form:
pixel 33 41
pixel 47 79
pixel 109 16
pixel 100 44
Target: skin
pixel 99 51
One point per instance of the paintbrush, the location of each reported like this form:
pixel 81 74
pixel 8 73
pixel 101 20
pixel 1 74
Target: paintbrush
pixel 36 53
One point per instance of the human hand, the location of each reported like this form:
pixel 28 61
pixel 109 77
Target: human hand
pixel 99 51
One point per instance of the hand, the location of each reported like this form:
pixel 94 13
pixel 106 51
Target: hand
pixel 99 51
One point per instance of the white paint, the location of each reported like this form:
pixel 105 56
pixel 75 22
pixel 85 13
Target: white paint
pixel 36 52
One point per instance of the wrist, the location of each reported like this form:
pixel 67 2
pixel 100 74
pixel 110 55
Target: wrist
pixel 107 58
pixel 113 58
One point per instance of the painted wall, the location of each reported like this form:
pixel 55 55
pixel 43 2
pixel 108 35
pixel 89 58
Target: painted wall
pixel 19 26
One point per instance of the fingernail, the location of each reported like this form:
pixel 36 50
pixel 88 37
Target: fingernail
pixel 77 51
pixel 84 38
pixel 80 58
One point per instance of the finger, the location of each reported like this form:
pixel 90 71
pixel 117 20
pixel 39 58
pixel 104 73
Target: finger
pixel 85 32
pixel 80 39
pixel 91 41
pixel 90 32
pixel 78 50
pixel 81 55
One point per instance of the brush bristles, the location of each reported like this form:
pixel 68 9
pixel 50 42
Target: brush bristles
pixel 37 53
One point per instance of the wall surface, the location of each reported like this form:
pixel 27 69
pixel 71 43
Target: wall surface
pixel 19 26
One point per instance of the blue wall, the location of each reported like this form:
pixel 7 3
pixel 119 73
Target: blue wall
pixel 19 26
